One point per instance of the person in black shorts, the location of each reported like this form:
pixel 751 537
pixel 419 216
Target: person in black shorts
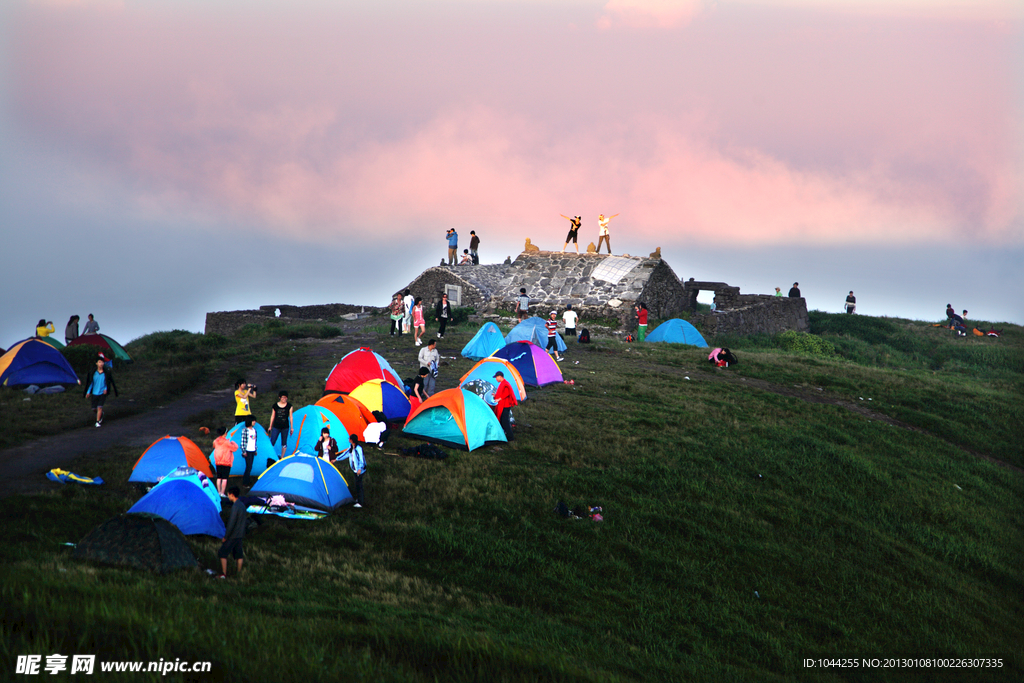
pixel 234 533
pixel 574 228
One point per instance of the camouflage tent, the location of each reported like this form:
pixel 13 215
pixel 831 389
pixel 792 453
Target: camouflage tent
pixel 137 540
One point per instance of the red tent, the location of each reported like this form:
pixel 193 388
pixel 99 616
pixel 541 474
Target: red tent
pixel 360 366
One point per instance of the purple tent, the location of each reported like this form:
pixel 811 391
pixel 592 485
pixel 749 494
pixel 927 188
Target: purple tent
pixel 537 367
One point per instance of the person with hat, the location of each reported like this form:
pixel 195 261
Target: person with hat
pixel 574 228
pixel 505 398
pixel 552 324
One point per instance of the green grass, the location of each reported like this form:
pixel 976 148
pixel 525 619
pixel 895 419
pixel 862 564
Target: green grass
pixel 859 538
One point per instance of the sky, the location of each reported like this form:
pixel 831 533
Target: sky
pixel 165 158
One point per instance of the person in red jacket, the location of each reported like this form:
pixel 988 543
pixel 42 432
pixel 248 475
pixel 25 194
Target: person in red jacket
pixel 641 321
pixel 505 398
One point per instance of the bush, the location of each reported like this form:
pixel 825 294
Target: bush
pixel 81 358
pixel 460 314
pixel 802 342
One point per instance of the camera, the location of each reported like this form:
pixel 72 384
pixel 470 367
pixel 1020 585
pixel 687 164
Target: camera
pixel 252 388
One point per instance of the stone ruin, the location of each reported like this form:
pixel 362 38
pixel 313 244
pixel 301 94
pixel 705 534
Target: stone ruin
pixel 596 285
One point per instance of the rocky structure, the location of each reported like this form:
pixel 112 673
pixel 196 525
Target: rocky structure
pixel 745 313
pixel 597 285
pixel 229 322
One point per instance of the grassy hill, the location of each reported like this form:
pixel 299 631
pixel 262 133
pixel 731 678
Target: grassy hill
pixel 856 492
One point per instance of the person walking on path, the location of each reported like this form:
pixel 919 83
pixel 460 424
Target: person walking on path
pixel 231 544
pixel 327 446
pixel 552 326
pixel 569 318
pixel 71 330
pixel 474 246
pixel 281 423
pixel 223 458
pixel 419 325
pixel 248 447
pixel 851 303
pixel 101 381
pixel 397 312
pixel 641 321
pixel 602 224
pixel 430 359
pixel 574 228
pixel 505 398
pixel 453 245
pixel 407 303
pixel 522 305
pixel 357 462
pixel 91 326
pixel 443 314
pixel 794 291
pixel 243 393
pixel 44 328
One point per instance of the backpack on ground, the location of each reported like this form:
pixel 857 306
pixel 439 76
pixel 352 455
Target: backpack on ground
pixel 584 336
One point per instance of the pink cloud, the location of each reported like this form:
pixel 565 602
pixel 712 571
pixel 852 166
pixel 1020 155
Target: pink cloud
pixel 649 13
pixel 319 123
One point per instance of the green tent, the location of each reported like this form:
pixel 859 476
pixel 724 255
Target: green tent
pixel 138 540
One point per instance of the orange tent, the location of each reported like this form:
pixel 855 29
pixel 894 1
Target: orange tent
pixel 353 414
pixel 166 454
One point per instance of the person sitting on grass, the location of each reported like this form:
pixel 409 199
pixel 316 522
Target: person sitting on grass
pixel 231 544
pixel 377 433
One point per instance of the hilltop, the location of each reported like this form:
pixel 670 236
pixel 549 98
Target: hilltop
pixel 854 492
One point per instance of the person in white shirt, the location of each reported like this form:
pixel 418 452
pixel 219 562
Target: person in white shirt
pixel 569 318
pixel 430 359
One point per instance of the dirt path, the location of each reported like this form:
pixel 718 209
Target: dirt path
pixel 25 466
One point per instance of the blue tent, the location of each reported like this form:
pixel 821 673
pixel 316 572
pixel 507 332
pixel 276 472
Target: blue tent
pixel 308 422
pixel 486 341
pixel 677 331
pixel 457 418
pixel 534 330
pixel 264 450
pixel 187 499
pixel 33 361
pixel 304 480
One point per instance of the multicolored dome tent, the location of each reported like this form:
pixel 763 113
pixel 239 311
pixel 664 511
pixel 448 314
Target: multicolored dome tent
pixel 187 499
pixel 677 331
pixel 306 481
pixel 52 341
pixel 353 414
pixel 533 330
pixel 485 369
pixel 103 343
pixel 140 540
pixel 457 418
pixel 378 395
pixel 357 367
pixel 486 341
pixel 165 455
pixel 307 423
pixel 536 367
pixel 265 451
pixel 33 361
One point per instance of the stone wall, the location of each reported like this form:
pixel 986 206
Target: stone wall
pixel 229 322
pixel 763 313
pixel 554 280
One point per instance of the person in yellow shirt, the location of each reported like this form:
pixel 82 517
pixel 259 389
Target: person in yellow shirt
pixel 243 392
pixel 44 328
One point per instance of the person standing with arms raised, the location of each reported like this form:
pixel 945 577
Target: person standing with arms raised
pixel 574 228
pixel 602 230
